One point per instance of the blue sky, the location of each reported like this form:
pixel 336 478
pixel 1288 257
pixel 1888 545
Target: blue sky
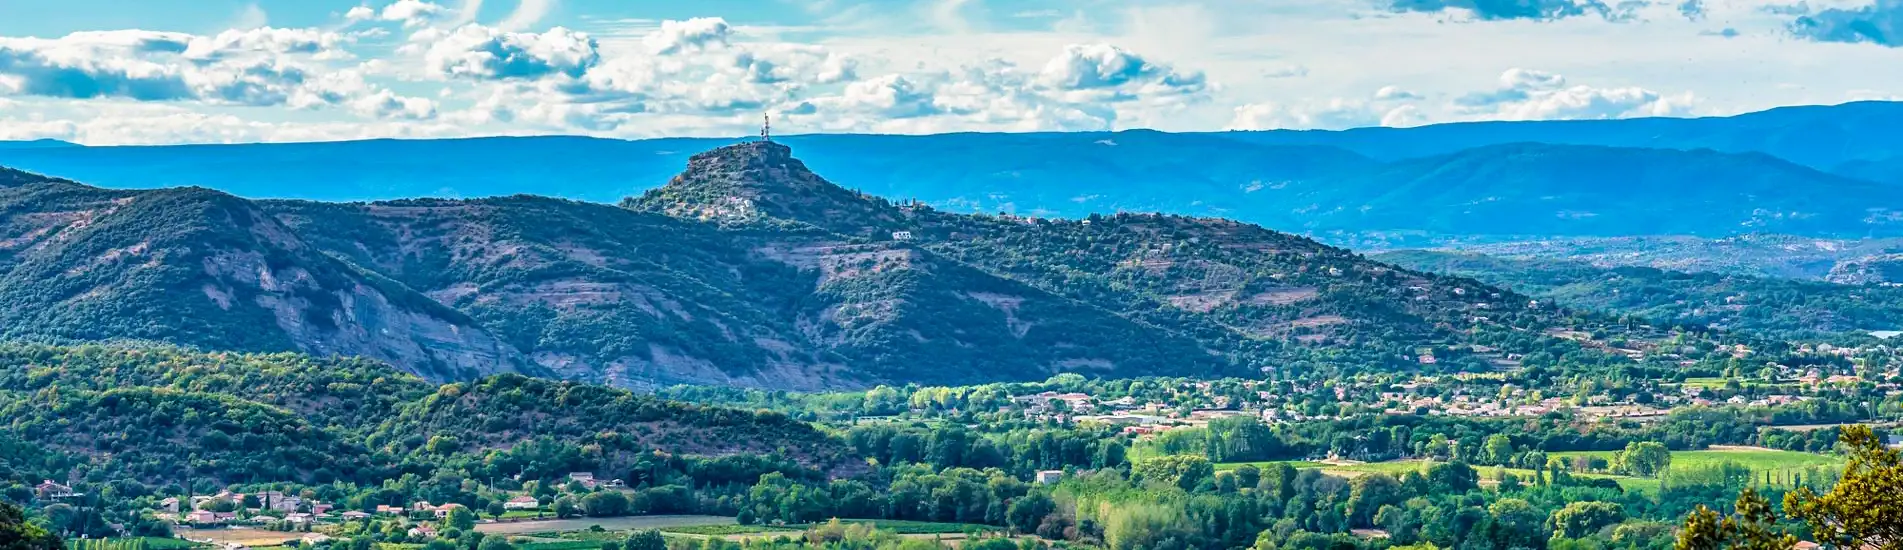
pixel 191 71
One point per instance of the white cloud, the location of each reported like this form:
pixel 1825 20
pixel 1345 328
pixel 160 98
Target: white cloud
pixel 695 34
pixel 1333 114
pixel 411 13
pixel 1526 94
pixel 1392 92
pixel 1119 72
pixel 360 13
pixel 263 67
pixel 384 104
pixel 485 53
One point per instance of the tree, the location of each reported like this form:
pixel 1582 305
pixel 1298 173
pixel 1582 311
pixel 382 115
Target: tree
pixel 1028 512
pixel 1862 510
pixel 1184 471
pixel 645 540
pixel 461 517
pixel 495 543
pixel 605 504
pixel 1517 523
pixel 17 534
pixel 1580 519
pixel 1645 459
pixel 1752 526
pixel 497 509
pixel 1498 449
pixel 1370 493
pixel 566 507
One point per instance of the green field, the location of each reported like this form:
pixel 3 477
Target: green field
pixel 1758 460
pixel 562 545
pixel 1298 464
pixel 717 530
pixel 131 543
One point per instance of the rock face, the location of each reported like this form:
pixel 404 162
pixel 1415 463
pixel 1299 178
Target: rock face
pixel 746 269
pixel 1869 270
pixel 201 268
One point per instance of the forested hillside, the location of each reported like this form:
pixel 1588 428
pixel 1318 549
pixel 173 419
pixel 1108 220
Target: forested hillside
pixel 163 415
pixel 1781 308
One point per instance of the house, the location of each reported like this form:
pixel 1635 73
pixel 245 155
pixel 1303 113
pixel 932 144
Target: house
pixel 170 504
pixel 312 539
pixel 49 490
pixel 385 509
pixel 422 532
pixel 204 517
pixel 901 235
pixel 443 511
pixel 523 502
pixel 321 509
pixel 297 518
pixel 1050 476
pixel 584 478
pixel 353 515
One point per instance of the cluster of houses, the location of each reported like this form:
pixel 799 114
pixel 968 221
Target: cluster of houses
pixel 273 506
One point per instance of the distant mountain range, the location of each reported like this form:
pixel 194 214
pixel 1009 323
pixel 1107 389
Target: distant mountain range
pixel 1833 171
pixel 746 269
pixel 1860 261
pixel 1729 300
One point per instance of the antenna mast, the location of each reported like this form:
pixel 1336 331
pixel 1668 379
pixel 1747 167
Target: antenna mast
pixel 766 127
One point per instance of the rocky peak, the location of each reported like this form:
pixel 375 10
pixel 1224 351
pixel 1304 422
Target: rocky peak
pixel 762 180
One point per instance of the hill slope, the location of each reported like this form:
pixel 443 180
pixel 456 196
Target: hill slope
pixel 746 269
pixel 202 268
pixel 1536 189
pixel 1731 301
pixel 166 415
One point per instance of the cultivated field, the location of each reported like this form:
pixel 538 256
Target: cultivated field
pixel 610 524
pixel 242 536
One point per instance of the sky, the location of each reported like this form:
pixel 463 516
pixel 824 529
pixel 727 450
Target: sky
pixel 109 72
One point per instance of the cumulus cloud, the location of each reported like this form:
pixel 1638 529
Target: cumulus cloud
pixel 411 13
pixel 1536 95
pixel 695 34
pixel 485 53
pixel 1390 106
pixel 992 96
pixel 1495 10
pixel 1394 93
pixel 1121 73
pixel 1879 23
pixel 256 67
pixel 360 13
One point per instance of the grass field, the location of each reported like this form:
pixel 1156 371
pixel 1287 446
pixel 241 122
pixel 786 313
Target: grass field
pixel 920 527
pixel 1757 460
pixel 144 543
pixel 729 529
pixel 610 524
pixel 562 545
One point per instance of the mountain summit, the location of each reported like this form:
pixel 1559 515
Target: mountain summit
pixel 761 180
